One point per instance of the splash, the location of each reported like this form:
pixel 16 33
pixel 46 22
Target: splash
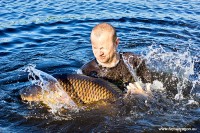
pixel 52 93
pixel 174 71
pixel 138 83
pixel 130 68
pixel 38 77
pixel 180 65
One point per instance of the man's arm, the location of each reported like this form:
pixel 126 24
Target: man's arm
pixel 144 74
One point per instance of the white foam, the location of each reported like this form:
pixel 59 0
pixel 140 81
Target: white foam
pixel 157 85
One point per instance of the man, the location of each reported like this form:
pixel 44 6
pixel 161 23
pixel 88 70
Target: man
pixel 113 66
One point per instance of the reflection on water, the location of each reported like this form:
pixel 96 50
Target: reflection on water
pixel 55 37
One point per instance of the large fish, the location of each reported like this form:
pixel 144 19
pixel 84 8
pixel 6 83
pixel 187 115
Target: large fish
pixel 80 88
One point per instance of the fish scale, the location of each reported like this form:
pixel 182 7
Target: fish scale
pixel 90 89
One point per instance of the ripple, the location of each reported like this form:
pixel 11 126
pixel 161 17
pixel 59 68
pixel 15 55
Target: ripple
pixel 56 37
pixel 5 53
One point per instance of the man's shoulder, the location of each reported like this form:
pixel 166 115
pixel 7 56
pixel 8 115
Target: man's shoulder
pixel 89 66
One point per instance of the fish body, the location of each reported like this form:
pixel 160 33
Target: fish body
pixel 80 89
pixel 86 89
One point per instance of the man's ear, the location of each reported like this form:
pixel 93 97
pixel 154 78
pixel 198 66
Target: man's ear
pixel 117 41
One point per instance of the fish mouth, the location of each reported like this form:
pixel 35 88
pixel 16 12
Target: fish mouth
pixel 31 93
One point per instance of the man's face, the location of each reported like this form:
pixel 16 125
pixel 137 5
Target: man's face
pixel 104 48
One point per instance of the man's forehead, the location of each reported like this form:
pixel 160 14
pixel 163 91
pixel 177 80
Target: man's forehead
pixel 103 38
pixel 101 34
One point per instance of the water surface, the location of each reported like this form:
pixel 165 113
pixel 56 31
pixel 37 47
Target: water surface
pixel 55 36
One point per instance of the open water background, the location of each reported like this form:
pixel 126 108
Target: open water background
pixel 55 36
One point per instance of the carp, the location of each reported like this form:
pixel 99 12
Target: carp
pixel 75 88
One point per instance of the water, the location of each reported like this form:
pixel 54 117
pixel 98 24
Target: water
pixel 54 35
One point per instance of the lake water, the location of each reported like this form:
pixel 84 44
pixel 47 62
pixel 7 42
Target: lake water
pixel 55 36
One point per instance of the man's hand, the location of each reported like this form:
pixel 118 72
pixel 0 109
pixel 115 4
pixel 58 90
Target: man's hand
pixel 135 88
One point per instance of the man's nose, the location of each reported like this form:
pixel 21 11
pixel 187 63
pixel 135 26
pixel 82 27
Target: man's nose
pixel 100 52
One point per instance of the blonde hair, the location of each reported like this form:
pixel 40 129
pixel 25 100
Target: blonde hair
pixel 104 27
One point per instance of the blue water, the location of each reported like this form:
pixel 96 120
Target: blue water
pixel 55 36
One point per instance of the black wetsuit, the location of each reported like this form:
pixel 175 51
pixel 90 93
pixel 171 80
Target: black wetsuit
pixel 119 74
